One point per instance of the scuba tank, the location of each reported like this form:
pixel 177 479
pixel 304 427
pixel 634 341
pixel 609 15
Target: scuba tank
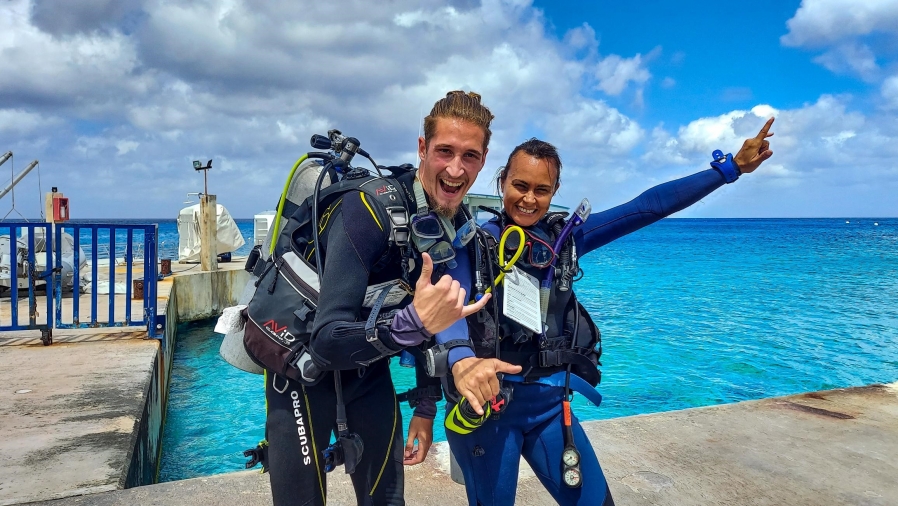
pixel 299 186
pixel 280 299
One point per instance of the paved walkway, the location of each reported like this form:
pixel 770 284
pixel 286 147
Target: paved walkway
pixel 832 447
pixel 69 412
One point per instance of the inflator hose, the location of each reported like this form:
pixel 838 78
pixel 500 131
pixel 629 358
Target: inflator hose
pixel 503 265
pixel 277 217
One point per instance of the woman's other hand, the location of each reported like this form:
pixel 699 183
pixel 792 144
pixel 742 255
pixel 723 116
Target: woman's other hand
pixel 755 150
pixel 476 379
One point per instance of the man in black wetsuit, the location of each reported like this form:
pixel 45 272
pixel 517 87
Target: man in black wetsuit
pixel 354 237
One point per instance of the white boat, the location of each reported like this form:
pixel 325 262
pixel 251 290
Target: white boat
pixel 67 260
pixel 228 234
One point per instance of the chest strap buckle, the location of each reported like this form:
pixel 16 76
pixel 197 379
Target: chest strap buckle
pixel 551 358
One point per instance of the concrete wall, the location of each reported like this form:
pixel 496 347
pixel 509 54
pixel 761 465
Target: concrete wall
pixel 147 453
pixel 181 298
pixel 168 307
pixel 205 294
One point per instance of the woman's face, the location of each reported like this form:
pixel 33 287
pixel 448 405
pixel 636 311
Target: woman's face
pixel 528 188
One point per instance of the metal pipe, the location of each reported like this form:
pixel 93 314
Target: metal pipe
pixel 5 157
pixel 18 177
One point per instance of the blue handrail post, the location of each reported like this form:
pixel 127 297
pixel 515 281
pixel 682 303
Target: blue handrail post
pixel 151 277
pixel 76 269
pixel 146 283
pixel 50 280
pixel 111 275
pixel 94 267
pixel 128 259
pixel 57 274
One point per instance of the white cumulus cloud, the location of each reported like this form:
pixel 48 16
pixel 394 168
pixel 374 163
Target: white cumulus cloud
pixel 614 73
pixel 889 92
pixel 854 35
pixel 823 22
pixel 126 146
pixel 829 160
pixel 851 58
pixel 19 121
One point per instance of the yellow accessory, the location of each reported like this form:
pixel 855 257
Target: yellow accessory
pixel 503 265
pixel 277 217
pixel 463 420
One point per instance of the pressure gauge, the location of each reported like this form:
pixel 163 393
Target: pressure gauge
pixel 570 457
pixel 572 477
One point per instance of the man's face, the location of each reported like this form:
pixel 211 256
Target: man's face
pixel 450 164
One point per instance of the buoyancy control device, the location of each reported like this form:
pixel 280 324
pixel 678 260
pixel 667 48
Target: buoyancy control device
pixel 571 338
pixel 279 302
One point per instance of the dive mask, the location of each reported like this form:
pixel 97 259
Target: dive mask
pixel 429 228
pixel 539 253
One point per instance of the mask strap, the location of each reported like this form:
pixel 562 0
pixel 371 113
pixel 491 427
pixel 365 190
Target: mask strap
pixel 448 227
pixel 420 197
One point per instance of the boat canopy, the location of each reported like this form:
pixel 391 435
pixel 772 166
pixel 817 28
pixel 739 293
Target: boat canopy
pixel 229 236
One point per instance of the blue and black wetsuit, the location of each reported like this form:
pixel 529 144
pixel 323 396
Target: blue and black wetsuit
pixel 531 426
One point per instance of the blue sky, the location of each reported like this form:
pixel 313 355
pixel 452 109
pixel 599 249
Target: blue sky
pixel 116 98
pixel 716 62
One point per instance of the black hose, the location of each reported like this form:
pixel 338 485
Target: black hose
pixel 493 287
pixel 342 426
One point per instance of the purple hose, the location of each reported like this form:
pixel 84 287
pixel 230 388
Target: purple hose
pixel 580 216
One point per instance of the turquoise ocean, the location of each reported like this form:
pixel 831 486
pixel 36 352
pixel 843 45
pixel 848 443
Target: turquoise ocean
pixel 693 312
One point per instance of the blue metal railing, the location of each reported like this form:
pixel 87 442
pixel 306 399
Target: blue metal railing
pixel 31 234
pixel 110 234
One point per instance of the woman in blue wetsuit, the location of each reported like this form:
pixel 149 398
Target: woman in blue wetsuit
pixel 529 376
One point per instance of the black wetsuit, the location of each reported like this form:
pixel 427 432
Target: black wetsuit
pixel 301 419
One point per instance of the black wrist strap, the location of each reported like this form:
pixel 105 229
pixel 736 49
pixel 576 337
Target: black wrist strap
pixel 437 358
pixel 414 395
pixel 371 334
pixel 455 343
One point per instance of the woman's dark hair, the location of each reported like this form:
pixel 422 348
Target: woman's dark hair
pixel 536 148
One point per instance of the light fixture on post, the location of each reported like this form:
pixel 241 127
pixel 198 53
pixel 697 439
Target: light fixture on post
pixel 198 165
pixel 207 219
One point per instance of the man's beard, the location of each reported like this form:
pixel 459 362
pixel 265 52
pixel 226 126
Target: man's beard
pixel 446 212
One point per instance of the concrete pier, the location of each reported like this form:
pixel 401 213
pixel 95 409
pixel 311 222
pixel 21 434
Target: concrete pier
pixel 831 447
pixel 71 413
pixel 85 415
